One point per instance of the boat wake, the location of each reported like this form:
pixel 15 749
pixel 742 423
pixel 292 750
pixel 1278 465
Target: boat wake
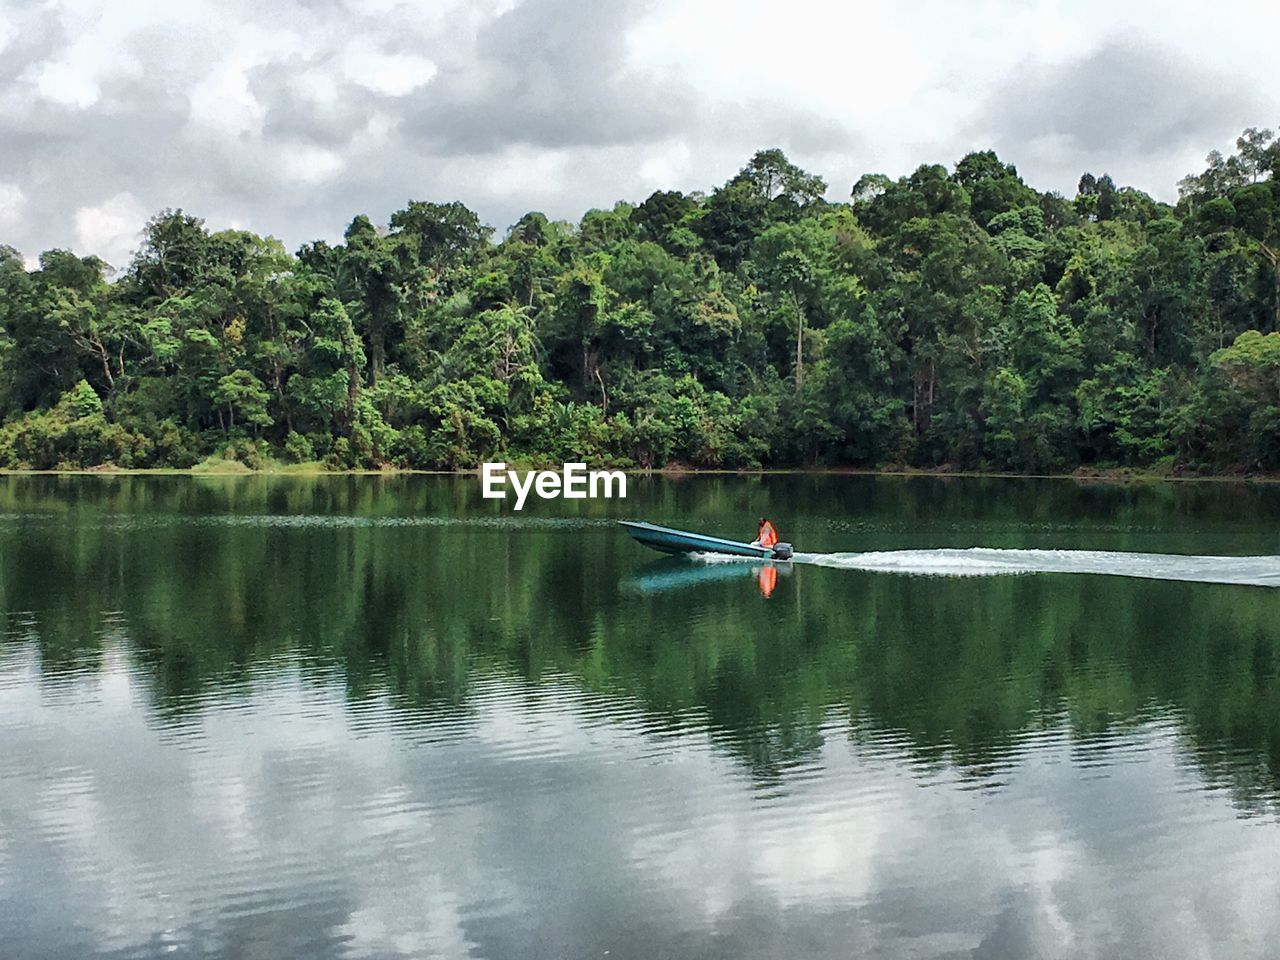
pixel 984 562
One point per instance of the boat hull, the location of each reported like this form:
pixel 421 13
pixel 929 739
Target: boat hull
pixel 672 541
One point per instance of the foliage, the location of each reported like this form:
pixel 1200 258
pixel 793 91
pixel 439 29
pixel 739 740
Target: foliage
pixel 954 318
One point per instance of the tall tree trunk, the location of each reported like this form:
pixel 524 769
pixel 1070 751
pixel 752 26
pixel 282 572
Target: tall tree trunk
pixel 353 391
pixel 377 351
pixel 277 383
pixel 924 381
pixel 106 366
pixel 94 344
pixel 799 342
pixel 1274 257
pixel 604 397
pixel 377 337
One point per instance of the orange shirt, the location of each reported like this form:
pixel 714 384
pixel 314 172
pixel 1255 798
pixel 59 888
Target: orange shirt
pixel 767 536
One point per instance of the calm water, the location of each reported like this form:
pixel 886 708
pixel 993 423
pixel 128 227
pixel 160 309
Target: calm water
pixel 366 717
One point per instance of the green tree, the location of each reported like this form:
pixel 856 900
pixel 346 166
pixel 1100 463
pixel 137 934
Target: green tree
pixel 240 392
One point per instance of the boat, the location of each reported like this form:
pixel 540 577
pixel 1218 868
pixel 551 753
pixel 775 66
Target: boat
pixel 670 540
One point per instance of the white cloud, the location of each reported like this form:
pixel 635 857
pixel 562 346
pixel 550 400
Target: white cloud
pixel 666 165
pixel 519 173
pixel 222 103
pixel 393 74
pixel 399 831
pixel 7 32
pixel 64 84
pixel 308 164
pixel 910 77
pixel 13 210
pixel 111 229
pixel 293 117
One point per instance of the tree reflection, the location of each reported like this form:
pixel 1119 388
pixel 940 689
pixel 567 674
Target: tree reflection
pixel 409 589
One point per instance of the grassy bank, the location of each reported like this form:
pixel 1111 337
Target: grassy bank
pixel 222 467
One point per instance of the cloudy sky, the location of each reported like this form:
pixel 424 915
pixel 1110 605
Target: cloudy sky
pixel 290 117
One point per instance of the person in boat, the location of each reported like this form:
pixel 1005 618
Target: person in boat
pixel 767 536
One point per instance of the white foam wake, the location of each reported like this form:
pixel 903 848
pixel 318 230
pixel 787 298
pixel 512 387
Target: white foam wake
pixel 714 558
pixel 985 562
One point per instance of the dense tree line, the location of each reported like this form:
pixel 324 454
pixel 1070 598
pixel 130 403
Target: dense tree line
pixel 949 318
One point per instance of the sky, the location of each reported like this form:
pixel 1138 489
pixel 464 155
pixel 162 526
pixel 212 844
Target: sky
pixel 292 116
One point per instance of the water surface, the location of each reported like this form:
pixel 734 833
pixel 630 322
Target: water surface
pixel 381 717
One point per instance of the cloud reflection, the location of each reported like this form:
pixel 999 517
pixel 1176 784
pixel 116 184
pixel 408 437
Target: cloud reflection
pixel 550 821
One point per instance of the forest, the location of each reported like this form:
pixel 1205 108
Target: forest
pixel 951 319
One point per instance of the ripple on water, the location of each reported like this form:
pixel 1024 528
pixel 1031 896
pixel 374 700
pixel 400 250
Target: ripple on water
pixel 302 807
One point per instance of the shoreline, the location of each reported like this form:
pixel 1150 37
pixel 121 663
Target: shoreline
pixel 1079 476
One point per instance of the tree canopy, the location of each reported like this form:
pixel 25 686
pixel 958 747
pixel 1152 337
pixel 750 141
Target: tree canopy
pixel 953 318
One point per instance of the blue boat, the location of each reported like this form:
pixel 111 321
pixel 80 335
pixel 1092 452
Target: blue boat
pixel 669 540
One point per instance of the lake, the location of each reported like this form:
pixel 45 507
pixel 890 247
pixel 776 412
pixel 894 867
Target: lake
pixel 380 717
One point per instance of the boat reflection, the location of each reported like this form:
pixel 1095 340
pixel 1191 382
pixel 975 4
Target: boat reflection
pixel 767 579
pixel 673 573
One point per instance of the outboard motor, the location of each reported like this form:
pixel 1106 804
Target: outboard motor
pixel 782 551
